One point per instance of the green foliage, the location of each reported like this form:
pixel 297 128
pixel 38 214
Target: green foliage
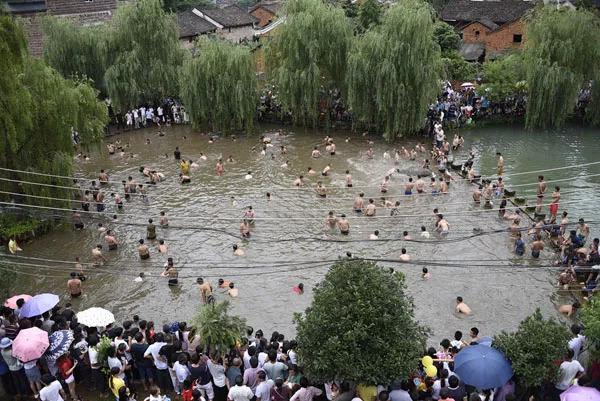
pixel 457 68
pixel 12 227
pixel 534 348
pixel 307 55
pixel 360 326
pixel 562 56
pixel 144 56
pixel 350 8
pixel 505 76
pixel 218 330
pixel 76 51
pixel 394 70
pixel 218 86
pixel 369 14
pixel 39 109
pixel 102 348
pixel 590 317
pixel 446 36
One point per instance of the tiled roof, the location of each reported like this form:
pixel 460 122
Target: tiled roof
pixel 192 25
pixel 269 5
pixel 229 17
pixel 472 51
pixel 21 7
pixel 499 12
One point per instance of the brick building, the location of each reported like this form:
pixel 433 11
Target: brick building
pixel 487 27
pixel 265 12
pixel 81 12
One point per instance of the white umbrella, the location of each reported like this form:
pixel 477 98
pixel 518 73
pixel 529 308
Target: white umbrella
pixel 95 317
pixel 467 85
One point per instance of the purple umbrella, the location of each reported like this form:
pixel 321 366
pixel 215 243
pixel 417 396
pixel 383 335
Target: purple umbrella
pixel 580 393
pixel 39 304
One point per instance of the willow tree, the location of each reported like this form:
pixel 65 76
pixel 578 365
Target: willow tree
pixel 394 70
pixel 144 55
pixel 562 56
pixel 218 85
pixel 39 110
pixel 76 51
pixel 307 56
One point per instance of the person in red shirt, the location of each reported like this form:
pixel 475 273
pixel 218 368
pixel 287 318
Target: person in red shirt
pixel 188 391
pixel 66 366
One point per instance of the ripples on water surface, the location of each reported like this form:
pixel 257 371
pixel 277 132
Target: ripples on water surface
pixel 500 296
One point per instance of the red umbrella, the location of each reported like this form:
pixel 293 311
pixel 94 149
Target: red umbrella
pixel 12 301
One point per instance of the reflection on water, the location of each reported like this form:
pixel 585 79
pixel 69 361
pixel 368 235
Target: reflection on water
pixel 290 245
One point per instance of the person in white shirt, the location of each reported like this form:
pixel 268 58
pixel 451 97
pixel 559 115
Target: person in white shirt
pixel 577 342
pixel 306 392
pixel 52 390
pixel 182 372
pixel 424 233
pixel 115 362
pixel 263 389
pixel 375 235
pixel 569 370
pixel 160 362
pixel 239 392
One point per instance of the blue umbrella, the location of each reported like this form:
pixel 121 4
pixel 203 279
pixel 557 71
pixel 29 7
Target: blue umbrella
pixel 486 341
pixel 60 341
pixel 39 304
pixel 482 366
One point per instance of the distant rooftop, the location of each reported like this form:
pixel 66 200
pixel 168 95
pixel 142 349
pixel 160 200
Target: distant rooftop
pixel 192 25
pixel 498 12
pixel 229 17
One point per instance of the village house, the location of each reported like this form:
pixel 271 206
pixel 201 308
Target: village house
pixel 230 23
pixel 81 12
pixel 487 27
pixel 265 12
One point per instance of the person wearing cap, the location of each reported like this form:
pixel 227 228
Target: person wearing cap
pixel 17 373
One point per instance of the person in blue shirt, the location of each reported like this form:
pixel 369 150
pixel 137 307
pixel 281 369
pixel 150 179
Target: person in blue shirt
pixel 519 245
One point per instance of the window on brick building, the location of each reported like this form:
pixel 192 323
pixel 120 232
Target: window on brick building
pixel 476 33
pixel 517 38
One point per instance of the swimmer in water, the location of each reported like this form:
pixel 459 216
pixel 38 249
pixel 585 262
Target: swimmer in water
pixel 330 221
pixel 371 209
pixel 462 307
pixel 348 179
pixel 298 182
pixel 404 257
pixel 299 289
pixel 359 203
pixel 537 246
pixel 425 275
pixel 315 153
pixel 343 225
pixel 237 251
pixel 162 247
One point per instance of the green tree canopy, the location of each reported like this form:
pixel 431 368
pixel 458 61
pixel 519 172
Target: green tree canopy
pixel 39 109
pixel 145 54
pixel 360 326
pixel 76 51
pixel 307 55
pixel 369 14
pixel 456 67
pixel 590 317
pixel 534 348
pixel 218 86
pixel 446 36
pixel 218 330
pixel 394 70
pixel 562 56
pixel 505 76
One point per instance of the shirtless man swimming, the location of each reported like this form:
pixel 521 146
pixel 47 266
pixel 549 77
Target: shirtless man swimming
pixel 330 221
pixel 205 291
pixel 343 225
pixel 442 225
pixel 462 307
pixel 420 184
pixel 477 195
pixel 541 189
pixel 537 246
pixel 383 187
pixel 499 163
pixel 371 209
pixel 298 182
pixel 408 187
pixel 321 190
pixel 315 153
pixel 348 179
pixel 359 203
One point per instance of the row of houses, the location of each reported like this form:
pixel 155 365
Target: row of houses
pixel 487 27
